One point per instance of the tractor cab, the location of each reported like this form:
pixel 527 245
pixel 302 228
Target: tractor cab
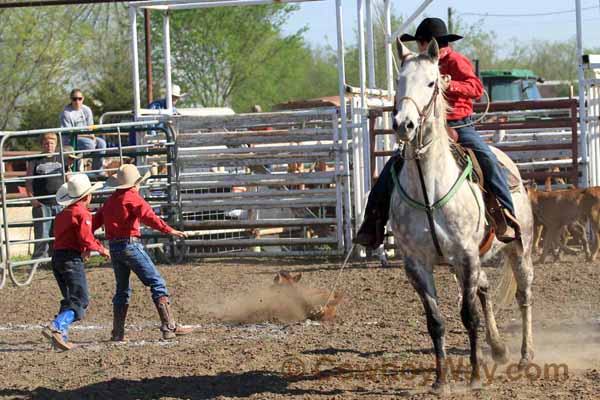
pixel 510 85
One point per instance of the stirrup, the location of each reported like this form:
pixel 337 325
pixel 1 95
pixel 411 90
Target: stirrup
pixel 511 229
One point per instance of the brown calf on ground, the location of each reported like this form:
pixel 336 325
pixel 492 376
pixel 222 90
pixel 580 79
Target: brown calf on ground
pixel 316 303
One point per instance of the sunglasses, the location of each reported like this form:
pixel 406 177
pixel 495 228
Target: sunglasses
pixel 76 98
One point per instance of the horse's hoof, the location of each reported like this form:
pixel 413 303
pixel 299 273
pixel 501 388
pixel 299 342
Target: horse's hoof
pixel 500 353
pixel 440 389
pixel 476 384
pixel 524 363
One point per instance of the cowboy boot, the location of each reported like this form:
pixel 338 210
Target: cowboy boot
pixel 513 228
pixel 57 330
pixel 56 338
pixel 372 230
pixel 168 326
pixel 119 316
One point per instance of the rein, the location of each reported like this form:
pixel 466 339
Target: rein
pixel 420 150
pixel 423 116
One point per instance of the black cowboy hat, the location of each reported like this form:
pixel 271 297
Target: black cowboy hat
pixel 431 28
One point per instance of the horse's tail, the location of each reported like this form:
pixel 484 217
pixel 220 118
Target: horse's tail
pixel 507 287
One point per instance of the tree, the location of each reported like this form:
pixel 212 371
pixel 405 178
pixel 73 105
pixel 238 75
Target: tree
pixel 36 51
pixel 236 56
pixel 351 56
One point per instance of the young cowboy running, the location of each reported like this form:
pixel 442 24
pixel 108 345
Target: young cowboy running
pixel 73 242
pixel 461 86
pixel 121 215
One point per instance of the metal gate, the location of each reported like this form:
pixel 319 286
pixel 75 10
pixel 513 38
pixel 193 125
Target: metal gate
pixel 591 116
pixel 263 184
pixel 154 152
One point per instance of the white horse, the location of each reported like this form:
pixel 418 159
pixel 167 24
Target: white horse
pixel 458 224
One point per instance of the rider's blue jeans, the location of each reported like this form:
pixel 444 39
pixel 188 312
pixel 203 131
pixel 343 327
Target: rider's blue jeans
pixel 494 176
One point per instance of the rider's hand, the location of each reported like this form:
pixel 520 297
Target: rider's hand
pixel 35 203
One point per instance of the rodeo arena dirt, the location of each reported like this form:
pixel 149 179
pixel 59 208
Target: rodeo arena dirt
pixel 263 268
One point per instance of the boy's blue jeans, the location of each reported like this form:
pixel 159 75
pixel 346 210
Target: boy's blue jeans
pixel 494 175
pixel 69 271
pixel 127 256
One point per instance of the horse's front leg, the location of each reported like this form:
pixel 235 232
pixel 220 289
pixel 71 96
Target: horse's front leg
pixel 469 275
pixel 421 277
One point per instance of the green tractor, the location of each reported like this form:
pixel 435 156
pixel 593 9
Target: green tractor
pixel 510 85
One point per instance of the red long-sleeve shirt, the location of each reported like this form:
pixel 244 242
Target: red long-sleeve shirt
pixel 122 213
pixel 73 230
pixel 464 85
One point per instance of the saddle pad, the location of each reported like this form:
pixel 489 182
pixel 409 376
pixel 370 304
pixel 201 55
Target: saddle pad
pixel 512 172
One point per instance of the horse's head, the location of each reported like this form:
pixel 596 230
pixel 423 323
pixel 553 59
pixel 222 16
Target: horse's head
pixel 417 89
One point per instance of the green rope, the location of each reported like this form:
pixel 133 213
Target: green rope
pixel 466 173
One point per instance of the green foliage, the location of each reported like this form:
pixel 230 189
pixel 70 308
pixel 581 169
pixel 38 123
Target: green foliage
pixel 36 51
pixel 478 44
pixel 230 56
pixel 239 57
pixel 43 108
pixel 351 55
pixel 298 73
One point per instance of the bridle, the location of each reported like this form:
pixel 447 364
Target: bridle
pixel 424 114
pixel 428 206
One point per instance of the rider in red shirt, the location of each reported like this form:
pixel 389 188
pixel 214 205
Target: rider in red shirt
pixel 461 86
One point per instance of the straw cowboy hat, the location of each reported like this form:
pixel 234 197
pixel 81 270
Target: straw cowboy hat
pixel 77 187
pixel 431 28
pixel 127 176
pixel 176 91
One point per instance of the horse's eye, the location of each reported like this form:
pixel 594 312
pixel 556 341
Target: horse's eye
pixel 431 84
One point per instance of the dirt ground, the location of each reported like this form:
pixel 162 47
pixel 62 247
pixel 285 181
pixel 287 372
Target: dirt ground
pixel 377 348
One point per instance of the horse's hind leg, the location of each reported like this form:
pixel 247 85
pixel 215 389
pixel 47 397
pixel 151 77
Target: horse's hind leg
pixel 492 336
pixel 523 271
pixel 422 280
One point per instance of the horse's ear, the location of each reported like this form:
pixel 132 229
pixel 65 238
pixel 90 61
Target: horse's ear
pixel 403 51
pixel 433 50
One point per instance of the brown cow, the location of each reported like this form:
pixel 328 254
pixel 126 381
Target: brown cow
pixel 556 211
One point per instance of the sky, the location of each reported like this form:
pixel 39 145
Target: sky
pixel 319 17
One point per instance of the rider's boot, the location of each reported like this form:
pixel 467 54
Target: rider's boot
pixel 513 228
pixel 372 230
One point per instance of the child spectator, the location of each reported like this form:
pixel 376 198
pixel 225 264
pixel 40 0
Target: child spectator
pixel 73 243
pixel 121 215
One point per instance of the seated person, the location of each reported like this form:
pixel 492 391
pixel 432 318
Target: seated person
pixel 77 114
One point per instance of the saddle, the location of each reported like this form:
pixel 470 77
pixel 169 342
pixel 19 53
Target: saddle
pixel 495 217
